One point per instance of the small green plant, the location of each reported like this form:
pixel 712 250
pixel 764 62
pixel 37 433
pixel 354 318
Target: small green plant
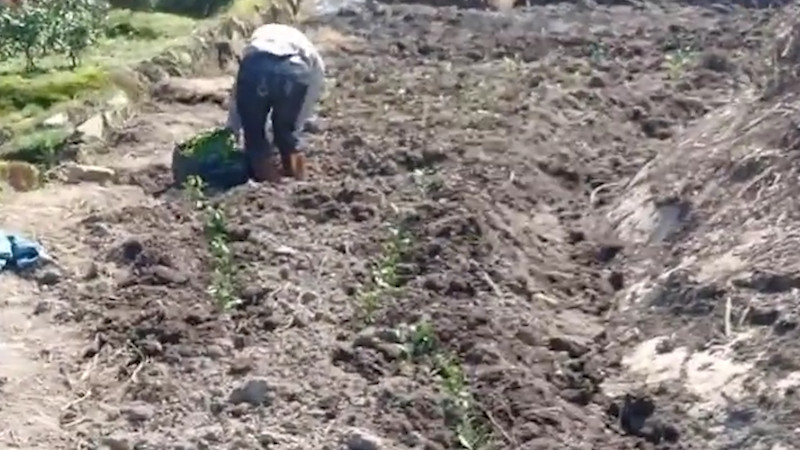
pixel 677 61
pixel 385 274
pixel 427 180
pixel 422 341
pixel 467 426
pixel 218 142
pixel 216 231
pixel 597 52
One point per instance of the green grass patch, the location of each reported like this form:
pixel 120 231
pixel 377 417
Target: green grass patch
pixel 131 36
pixel 32 93
pixel 28 98
pixel 40 147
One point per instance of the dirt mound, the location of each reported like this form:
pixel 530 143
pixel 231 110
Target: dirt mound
pixel 448 276
pixel 712 228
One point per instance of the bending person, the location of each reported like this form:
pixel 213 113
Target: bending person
pixel 280 72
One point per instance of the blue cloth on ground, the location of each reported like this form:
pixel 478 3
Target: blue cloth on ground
pixel 17 252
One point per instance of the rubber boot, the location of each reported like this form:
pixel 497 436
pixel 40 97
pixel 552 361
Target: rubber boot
pixel 297 162
pixel 265 169
pixel 286 163
pixel 294 165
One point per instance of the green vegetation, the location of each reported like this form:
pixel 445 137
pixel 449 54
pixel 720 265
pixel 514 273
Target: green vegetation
pixel 67 27
pixel 29 95
pixel 384 275
pixel 221 287
pixel 469 429
pixel 41 147
pixel 209 144
pixel 29 85
pixel 60 55
pixel 678 60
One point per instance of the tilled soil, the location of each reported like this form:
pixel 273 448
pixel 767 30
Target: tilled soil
pixel 465 159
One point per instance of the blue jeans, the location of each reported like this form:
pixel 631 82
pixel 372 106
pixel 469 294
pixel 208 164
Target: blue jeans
pixel 265 83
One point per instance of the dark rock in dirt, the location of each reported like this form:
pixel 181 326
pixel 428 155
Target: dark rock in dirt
pixel 573 345
pixel 769 282
pixel 785 325
pixel 131 249
pixel 254 392
pixel 117 442
pixel 168 275
pixel 253 294
pixel 657 128
pixel 41 307
pixel 597 82
pixel 637 417
pixel 763 316
pixel 608 252
pixel 49 277
pixel 616 280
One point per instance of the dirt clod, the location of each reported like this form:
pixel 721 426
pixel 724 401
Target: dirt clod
pixel 253 392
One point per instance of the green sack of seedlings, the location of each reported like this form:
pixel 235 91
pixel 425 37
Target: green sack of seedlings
pixel 212 156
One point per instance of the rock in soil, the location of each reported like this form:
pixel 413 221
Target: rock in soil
pixel 253 392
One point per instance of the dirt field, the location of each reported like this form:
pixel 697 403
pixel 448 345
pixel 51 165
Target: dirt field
pixel 532 230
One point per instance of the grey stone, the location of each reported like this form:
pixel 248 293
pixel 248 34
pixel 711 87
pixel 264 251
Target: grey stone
pixel 254 392
pixel 49 277
pixel 138 411
pixel 362 440
pixel 116 442
pixel 77 173
pixel 94 127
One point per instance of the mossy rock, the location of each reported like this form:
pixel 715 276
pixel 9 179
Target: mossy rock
pixel 212 156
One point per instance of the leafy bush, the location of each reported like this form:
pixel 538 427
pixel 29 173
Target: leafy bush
pixel 35 28
pixel 25 29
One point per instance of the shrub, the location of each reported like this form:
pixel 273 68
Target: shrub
pixel 25 30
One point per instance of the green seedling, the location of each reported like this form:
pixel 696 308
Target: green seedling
pixel 385 275
pixel 427 180
pixel 216 230
pixel 370 303
pixel 422 341
pixel 677 61
pixel 597 52
pixel 468 428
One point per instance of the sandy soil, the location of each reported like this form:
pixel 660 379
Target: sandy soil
pixel 533 230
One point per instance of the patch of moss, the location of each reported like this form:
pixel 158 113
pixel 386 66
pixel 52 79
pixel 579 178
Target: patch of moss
pixel 34 92
pixel 41 147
